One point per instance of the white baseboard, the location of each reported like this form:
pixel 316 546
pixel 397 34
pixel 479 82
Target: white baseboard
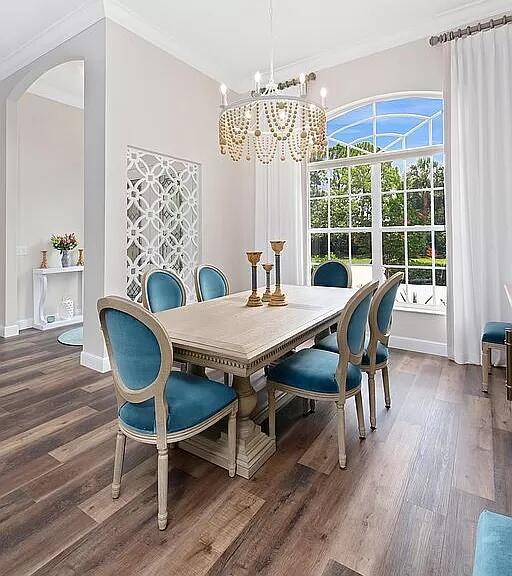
pixel 9 331
pixel 25 323
pixel 416 345
pixel 98 363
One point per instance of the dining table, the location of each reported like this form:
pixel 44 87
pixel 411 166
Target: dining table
pixel 227 335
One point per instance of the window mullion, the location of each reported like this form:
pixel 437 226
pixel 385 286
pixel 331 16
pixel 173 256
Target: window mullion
pixel 377 265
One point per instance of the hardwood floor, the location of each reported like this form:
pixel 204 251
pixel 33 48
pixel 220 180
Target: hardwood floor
pixel 407 504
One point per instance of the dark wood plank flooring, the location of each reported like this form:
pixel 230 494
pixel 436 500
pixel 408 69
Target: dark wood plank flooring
pixel 407 504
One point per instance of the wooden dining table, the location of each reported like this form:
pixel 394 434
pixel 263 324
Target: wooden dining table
pixel 227 335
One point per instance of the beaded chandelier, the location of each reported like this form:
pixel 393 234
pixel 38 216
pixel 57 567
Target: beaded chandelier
pixel 268 123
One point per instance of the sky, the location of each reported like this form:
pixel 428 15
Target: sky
pixel 393 118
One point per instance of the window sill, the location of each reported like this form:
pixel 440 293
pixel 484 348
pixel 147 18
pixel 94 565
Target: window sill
pixel 422 310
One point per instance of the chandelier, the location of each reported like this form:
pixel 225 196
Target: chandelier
pixel 266 123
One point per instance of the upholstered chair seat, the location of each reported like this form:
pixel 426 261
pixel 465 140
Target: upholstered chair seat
pixel 313 370
pixel 157 405
pixel 493 338
pixel 493 553
pixel 315 374
pixel 330 343
pixel 494 332
pixel 193 400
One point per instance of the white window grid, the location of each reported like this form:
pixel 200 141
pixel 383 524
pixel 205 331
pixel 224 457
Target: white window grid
pixel 394 151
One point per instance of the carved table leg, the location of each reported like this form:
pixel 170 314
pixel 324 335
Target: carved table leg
pixel 254 447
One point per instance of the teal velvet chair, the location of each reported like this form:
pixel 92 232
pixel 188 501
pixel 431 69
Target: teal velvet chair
pixel 155 404
pixel 210 283
pixel 376 354
pixel 493 552
pixel 322 375
pixel 334 273
pixel 493 338
pixel 162 290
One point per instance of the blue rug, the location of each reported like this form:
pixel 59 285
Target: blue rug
pixel 74 337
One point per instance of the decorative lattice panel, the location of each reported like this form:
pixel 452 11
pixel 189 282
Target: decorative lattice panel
pixel 163 224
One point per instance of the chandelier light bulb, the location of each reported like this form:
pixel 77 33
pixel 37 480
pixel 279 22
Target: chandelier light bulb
pixel 223 95
pixel 257 81
pixel 323 94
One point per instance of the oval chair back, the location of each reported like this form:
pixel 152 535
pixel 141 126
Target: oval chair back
pixel 381 314
pixel 162 290
pixel 140 356
pixel 333 273
pixel 352 331
pixel 210 283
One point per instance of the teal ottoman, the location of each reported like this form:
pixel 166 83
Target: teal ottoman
pixel 493 553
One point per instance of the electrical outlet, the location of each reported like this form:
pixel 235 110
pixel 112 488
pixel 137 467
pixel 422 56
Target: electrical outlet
pixel 21 251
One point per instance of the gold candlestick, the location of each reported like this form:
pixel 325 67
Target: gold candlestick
pixel 80 261
pixel 44 260
pixel 254 299
pixel 278 298
pixel 267 294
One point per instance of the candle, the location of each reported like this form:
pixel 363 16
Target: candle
pixel 254 258
pixel 278 298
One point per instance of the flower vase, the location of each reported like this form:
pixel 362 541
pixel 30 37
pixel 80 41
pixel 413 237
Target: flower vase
pixel 66 258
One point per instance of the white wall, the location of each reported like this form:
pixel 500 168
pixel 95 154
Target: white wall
pixel 412 67
pixel 50 193
pixel 89 46
pixel 158 103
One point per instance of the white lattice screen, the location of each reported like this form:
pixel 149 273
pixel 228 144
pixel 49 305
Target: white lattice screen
pixel 163 221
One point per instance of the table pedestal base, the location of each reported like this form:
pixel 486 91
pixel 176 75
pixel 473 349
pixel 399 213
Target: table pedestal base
pixel 254 447
pixel 252 452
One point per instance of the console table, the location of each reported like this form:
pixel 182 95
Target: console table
pixel 40 290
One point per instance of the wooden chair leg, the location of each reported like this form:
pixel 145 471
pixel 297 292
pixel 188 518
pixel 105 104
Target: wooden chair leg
pixel 232 442
pixel 360 415
pixel 163 472
pixel 342 456
pixel 490 361
pixel 385 383
pixel 485 369
pixel 271 411
pixel 371 398
pixel 118 464
pixel 308 406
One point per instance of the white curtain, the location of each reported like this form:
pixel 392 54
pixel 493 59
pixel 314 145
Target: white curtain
pixel 478 96
pixel 279 215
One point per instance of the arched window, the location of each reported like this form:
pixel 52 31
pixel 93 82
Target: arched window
pixel 376 199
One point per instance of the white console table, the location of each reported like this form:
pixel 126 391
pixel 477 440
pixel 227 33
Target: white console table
pixel 40 285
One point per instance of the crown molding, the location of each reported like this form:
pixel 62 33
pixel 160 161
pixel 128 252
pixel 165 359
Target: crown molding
pixel 93 10
pixel 63 29
pixel 445 20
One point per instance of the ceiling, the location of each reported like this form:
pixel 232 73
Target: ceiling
pixel 229 39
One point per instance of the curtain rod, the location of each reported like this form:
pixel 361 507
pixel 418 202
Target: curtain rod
pixel 469 30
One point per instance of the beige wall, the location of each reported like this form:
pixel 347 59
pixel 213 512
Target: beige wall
pixel 412 67
pixel 50 193
pixel 158 103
